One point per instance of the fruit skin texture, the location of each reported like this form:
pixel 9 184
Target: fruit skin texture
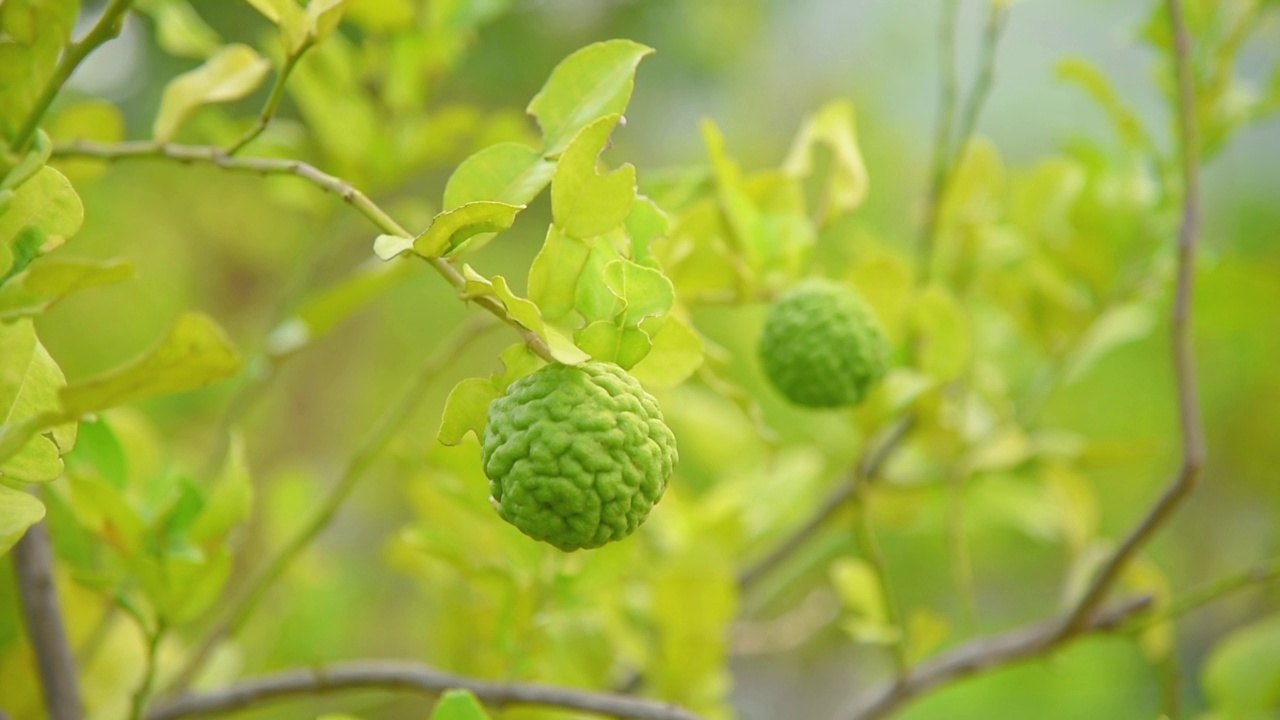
pixel 822 347
pixel 577 456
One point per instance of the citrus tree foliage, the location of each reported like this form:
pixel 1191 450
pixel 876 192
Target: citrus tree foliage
pixel 186 551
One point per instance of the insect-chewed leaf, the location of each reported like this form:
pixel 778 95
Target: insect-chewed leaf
pixel 592 83
pixel 585 203
pixel 675 355
pixel 194 353
pixel 644 292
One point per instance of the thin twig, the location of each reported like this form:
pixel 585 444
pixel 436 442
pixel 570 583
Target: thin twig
pixel 107 27
pixel 829 508
pixel 33 567
pixel 273 100
pixel 142 695
pixel 1193 445
pixel 948 88
pixel 386 427
pixel 985 655
pixel 415 678
pixel 1220 588
pixel 874 556
pixel 274 166
pixel 986 76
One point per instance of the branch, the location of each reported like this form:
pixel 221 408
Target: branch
pixel 834 502
pixel 1193 445
pixel 415 678
pixel 1258 575
pixel 370 449
pixel 273 100
pixel 947 90
pixel 985 655
pixel 107 27
pixel 33 566
pixel 218 157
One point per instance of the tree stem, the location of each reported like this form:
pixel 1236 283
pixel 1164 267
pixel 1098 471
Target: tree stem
pixel 33 566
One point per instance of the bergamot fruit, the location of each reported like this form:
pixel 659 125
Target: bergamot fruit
pixel 822 346
pixel 577 456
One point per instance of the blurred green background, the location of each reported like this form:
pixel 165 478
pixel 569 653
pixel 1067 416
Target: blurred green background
pixel 244 249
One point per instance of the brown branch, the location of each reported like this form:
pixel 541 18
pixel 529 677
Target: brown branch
pixel 33 566
pixel 1193 445
pixel 832 505
pixel 985 655
pixel 219 157
pixel 414 678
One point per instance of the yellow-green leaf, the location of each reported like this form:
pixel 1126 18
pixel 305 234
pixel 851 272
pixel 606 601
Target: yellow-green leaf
pixel 234 72
pixel 845 187
pixel 592 83
pixel 467 410
pixel 47 280
pixel 585 203
pixel 450 228
pixel 18 512
pixel 194 353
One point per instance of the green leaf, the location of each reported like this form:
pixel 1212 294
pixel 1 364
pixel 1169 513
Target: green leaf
pixel 458 705
pixel 676 354
pixel 180 30
pixel 103 509
pixel 323 17
pixel 859 589
pixel 289 16
pixel 1114 328
pixel 194 353
pixel 34 32
pixel 42 214
pixel 644 292
pixel 608 342
pixel 590 84
pixel 29 383
pixel 845 187
pixel 467 410
pixel 18 512
pixel 585 203
pixel 31 163
pixel 946 345
pixel 1241 678
pixel 229 500
pixel 523 311
pixel 46 281
pixel 926 630
pixel 506 172
pixel 450 228
pixel 234 72
pixel 593 299
pixel 646 223
pixel 553 276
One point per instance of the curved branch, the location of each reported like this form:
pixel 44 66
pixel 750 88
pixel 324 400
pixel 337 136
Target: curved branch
pixel 1193 444
pixel 219 157
pixel 985 655
pixel 414 678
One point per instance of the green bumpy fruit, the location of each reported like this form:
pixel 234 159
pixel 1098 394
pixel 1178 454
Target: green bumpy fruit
pixel 577 456
pixel 822 346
